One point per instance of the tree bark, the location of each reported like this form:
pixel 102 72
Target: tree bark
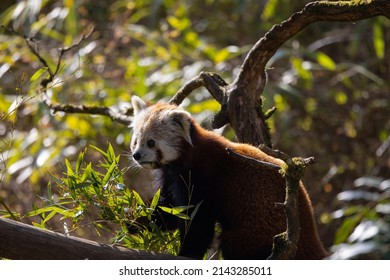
pixel 24 242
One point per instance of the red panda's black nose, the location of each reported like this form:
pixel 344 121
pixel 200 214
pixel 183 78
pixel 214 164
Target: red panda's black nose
pixel 137 155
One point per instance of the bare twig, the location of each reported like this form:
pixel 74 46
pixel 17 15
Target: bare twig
pixel 74 45
pixel 68 108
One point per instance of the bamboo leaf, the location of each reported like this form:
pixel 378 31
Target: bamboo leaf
pixel 155 199
pixel 80 160
pixel 177 211
pixel 37 74
pixel 109 173
pixel 196 210
pixel 110 153
pixel 48 217
pixel 99 150
pixel 69 170
pixel 138 198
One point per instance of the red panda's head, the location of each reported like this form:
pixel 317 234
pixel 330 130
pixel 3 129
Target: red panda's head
pixel 158 133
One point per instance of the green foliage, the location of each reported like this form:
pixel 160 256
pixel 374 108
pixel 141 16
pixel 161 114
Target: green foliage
pixel 364 231
pixel 95 195
pixel 329 84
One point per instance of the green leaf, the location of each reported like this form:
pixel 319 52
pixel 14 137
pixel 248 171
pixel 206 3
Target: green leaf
pixel 80 160
pixel 37 74
pixel 38 225
pixel 379 42
pixel 177 211
pixel 48 217
pixel 138 198
pixel 82 185
pixel 270 9
pixel 179 23
pixel 109 173
pixel 87 173
pixel 341 98
pixel 57 181
pixel 99 150
pixel 302 72
pixel 110 153
pixel 325 61
pixel 52 208
pixel 71 21
pixel 222 55
pixel 69 170
pixel 7 15
pixel 196 210
pixel 155 199
pixel 346 229
pixel 10 213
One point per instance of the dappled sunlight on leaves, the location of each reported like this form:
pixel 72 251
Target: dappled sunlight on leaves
pixel 329 83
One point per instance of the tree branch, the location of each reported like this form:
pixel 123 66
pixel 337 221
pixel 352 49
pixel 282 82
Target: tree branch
pixel 347 11
pixel 211 81
pixel 285 243
pixel 44 84
pixel 21 241
pixel 90 110
pixel 241 105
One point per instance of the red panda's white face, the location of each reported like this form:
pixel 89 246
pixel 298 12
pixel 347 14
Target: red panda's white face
pixel 158 132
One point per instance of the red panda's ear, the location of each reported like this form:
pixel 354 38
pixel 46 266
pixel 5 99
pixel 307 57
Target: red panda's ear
pixel 183 119
pixel 138 104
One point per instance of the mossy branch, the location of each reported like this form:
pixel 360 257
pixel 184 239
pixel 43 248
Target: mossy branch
pixel 285 243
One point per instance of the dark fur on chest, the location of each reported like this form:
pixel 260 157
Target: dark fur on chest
pixel 179 186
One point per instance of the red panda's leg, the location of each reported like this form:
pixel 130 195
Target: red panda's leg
pixel 198 235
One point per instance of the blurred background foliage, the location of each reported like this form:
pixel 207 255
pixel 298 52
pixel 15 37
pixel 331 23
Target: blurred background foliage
pixel 330 84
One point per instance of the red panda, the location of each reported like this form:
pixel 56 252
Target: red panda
pixel 193 167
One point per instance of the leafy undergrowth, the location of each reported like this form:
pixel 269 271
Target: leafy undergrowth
pixel 96 195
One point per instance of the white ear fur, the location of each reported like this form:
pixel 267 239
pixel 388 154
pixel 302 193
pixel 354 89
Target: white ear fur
pixel 138 104
pixel 183 119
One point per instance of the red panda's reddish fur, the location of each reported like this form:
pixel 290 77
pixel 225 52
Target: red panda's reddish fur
pixel 240 197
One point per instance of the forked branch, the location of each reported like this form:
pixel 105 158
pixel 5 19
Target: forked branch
pixel 241 104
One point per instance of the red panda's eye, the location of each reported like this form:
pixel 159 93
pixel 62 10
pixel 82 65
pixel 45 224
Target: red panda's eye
pixel 151 143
